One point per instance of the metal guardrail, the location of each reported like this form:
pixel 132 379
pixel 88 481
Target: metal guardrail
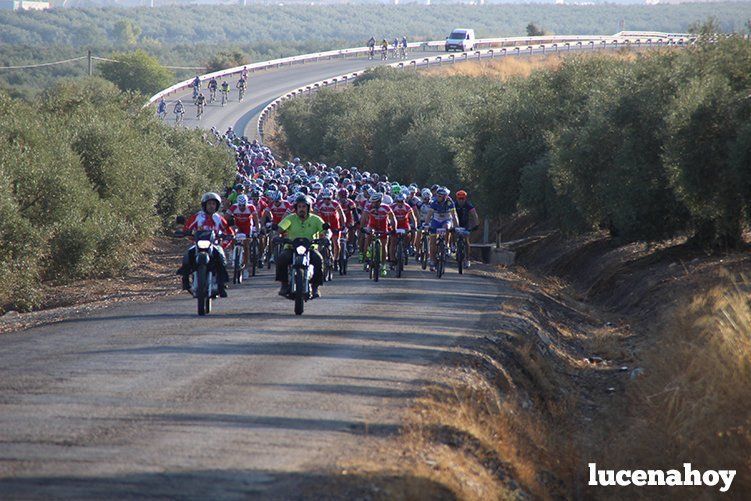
pixel 425 46
pixel 565 45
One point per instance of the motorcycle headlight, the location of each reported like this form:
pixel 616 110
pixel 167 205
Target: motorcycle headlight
pixel 301 250
pixel 203 244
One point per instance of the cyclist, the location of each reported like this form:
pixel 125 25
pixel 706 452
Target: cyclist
pixel 225 90
pixel 244 73
pixel 384 49
pixel 378 217
pixel 179 110
pixel 350 212
pixel 161 108
pixel 301 224
pixel 196 86
pixel 442 214
pixel 371 47
pixel 200 102
pixel 467 217
pixel 241 87
pixel 207 219
pixel 331 212
pixel 239 189
pixel 405 220
pixel 213 84
pixel 395 46
pixel 244 216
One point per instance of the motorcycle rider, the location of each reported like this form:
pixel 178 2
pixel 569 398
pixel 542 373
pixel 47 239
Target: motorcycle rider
pixel 207 219
pixel 300 224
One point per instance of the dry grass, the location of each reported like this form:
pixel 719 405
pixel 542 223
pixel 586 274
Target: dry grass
pixel 506 67
pixel 501 69
pixel 694 402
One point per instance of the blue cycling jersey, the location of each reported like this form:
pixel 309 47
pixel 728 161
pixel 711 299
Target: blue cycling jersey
pixel 442 210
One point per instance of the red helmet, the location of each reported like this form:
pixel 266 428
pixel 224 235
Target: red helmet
pixel 343 193
pixel 461 195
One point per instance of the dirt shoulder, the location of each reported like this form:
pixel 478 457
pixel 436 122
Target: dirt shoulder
pixel 573 370
pixel 153 277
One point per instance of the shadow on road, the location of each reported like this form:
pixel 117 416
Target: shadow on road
pixel 226 484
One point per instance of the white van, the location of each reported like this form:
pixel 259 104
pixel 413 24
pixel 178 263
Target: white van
pixel 461 39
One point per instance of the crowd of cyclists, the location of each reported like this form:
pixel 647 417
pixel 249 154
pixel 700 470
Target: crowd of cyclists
pixel 396 49
pixel 200 100
pixel 354 214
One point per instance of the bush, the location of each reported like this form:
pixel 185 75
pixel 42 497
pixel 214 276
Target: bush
pixel 648 145
pixel 86 178
pixel 136 72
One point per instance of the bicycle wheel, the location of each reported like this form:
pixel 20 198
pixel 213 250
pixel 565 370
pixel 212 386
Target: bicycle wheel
pixel 424 253
pixel 237 273
pixel 375 260
pixel 400 257
pixel 460 255
pixel 440 257
pixel 253 257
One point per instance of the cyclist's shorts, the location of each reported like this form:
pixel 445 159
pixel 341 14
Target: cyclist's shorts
pixel 434 225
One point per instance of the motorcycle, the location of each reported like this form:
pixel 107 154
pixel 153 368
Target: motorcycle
pixel 300 271
pixel 204 286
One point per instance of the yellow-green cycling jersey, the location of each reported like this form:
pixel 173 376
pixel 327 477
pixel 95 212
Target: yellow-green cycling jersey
pixel 311 227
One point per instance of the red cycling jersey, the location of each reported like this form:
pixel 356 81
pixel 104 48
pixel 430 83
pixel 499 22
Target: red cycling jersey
pixel 279 210
pixel 328 210
pixel 349 207
pixel 201 221
pixel 378 219
pixel 403 214
pixel 243 217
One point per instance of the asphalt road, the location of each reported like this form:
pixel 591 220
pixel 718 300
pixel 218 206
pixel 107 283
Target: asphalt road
pixel 263 87
pixel 148 400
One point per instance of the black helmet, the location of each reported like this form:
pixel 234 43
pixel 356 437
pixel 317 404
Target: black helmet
pixel 304 199
pixel 239 187
pixel 210 196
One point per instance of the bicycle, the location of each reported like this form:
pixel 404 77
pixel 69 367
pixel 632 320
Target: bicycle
pixel 440 252
pixel 225 97
pixel 179 118
pixel 238 258
pixel 461 247
pixel 327 258
pixel 212 95
pixel 422 252
pixel 384 53
pixel 371 53
pixel 403 53
pixel 199 111
pixel 343 252
pixel 253 253
pixel 374 260
pixel 401 252
pixel 240 93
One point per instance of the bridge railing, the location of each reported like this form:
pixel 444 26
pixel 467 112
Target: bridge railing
pixel 433 45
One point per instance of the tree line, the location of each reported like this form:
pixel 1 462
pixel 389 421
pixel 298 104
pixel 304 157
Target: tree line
pixel 208 35
pixel 648 146
pixel 86 179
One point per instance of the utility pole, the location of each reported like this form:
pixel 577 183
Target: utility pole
pixel 91 72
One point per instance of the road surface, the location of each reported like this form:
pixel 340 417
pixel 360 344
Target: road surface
pixel 263 87
pixel 148 400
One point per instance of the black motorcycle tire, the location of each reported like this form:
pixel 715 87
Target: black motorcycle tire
pixel 299 293
pixel 202 295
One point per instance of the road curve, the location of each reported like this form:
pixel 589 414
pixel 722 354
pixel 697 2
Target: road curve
pixel 148 400
pixel 264 87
